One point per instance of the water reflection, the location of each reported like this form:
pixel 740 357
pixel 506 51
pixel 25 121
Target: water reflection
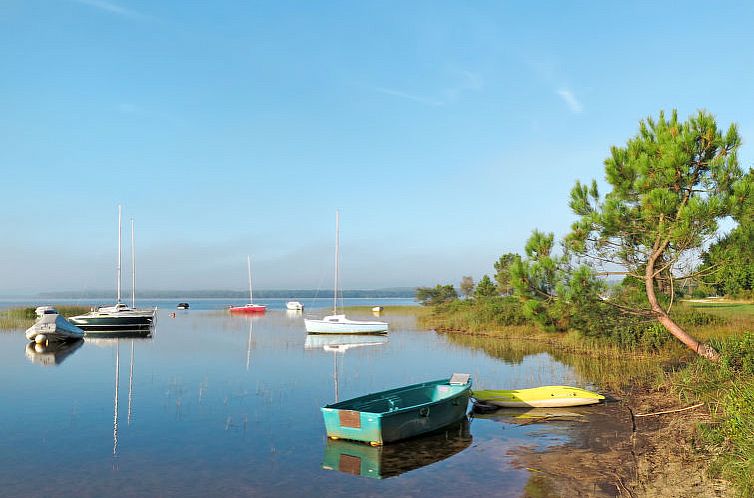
pixel 391 460
pixel 337 343
pixel 52 354
pixel 607 370
pixel 115 341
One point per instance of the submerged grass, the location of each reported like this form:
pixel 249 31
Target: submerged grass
pixel 22 318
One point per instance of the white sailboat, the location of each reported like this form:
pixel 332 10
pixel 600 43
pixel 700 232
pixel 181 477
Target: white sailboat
pixel 119 318
pixel 339 323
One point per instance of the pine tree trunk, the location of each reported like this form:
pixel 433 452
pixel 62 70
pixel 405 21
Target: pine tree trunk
pixel 701 349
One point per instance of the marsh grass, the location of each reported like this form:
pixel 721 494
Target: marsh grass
pixel 401 310
pixel 22 318
pixel 728 390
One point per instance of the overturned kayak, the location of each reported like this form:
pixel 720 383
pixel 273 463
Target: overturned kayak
pixel 400 413
pixel 539 397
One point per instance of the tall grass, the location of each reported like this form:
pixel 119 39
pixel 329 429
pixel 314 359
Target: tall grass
pixel 728 389
pixel 22 318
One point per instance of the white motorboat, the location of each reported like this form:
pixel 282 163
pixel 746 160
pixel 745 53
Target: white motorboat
pixel 294 306
pixel 52 327
pixel 338 323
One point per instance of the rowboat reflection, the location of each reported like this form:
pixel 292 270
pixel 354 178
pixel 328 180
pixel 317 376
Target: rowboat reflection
pixel 52 354
pixel 381 462
pixel 340 343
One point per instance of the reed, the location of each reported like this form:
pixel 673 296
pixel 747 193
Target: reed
pixel 22 318
pixel 400 310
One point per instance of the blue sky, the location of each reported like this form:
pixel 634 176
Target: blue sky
pixel 443 131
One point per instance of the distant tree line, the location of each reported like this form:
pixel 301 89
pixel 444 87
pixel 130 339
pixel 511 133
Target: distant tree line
pixel 406 292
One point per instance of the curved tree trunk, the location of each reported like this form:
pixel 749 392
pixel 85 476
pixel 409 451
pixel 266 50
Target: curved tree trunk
pixel 672 327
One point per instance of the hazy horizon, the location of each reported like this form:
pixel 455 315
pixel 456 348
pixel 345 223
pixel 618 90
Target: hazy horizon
pixel 445 132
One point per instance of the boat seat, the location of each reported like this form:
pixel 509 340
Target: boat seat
pixel 393 402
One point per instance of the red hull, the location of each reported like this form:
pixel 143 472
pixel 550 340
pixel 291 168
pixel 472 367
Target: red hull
pixel 249 308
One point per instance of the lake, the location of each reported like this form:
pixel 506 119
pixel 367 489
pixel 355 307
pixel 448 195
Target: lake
pixel 215 404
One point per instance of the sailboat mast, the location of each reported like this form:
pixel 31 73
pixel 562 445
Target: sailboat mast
pixel 133 267
pixel 248 266
pixel 117 269
pixel 337 259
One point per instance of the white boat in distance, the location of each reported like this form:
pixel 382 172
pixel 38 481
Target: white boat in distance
pixel 294 306
pixel 338 323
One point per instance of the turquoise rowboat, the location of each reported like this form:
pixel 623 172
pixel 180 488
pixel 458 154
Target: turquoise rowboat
pixel 539 397
pixel 400 413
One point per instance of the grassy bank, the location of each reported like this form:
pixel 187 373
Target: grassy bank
pixel 649 365
pixel 23 318
pixel 403 310
pixel 727 389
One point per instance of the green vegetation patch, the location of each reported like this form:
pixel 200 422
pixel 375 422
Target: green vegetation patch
pixel 728 389
pixel 22 318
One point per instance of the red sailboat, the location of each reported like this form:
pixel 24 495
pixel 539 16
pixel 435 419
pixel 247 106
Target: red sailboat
pixel 250 307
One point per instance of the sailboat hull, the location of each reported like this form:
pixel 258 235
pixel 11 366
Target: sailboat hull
pixel 339 324
pixel 249 308
pixel 136 322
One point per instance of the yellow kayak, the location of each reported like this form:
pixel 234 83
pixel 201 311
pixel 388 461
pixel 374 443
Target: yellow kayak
pixel 540 397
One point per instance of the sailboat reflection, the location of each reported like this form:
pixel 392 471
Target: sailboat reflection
pixel 52 354
pixel 106 342
pixel 250 343
pixel 340 343
pixel 381 462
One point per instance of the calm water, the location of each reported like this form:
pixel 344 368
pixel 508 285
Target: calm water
pixel 221 405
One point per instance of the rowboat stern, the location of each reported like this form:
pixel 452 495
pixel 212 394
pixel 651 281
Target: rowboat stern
pixel 353 425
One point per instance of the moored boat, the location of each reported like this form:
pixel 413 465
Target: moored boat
pixel 338 323
pixel 116 319
pixel 294 306
pixel 401 413
pixel 250 307
pixel 119 319
pixel 52 327
pixel 182 306
pixel 539 397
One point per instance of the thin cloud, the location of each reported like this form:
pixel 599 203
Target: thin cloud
pixel 408 96
pixel 463 82
pixel 112 8
pixel 570 100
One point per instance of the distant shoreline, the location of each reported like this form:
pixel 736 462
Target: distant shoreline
pixel 400 293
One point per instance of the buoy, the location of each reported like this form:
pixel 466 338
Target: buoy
pixel 40 339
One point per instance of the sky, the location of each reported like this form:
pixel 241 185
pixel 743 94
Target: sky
pixel 443 131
